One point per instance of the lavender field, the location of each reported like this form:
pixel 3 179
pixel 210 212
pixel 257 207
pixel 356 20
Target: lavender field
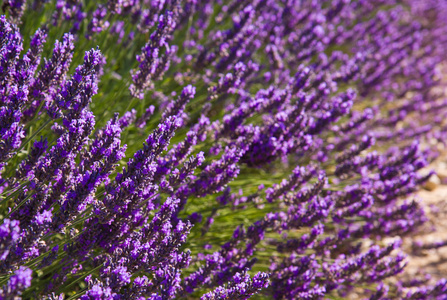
pixel 220 149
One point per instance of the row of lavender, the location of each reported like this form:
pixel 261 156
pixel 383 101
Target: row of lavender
pixel 300 120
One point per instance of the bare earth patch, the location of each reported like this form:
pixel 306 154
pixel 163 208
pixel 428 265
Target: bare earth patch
pixel 430 261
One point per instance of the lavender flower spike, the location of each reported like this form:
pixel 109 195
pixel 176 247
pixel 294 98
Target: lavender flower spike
pixel 241 287
pixel 17 283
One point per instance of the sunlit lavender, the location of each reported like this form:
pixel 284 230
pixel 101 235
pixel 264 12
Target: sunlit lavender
pixel 266 149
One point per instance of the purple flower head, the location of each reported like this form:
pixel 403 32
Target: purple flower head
pixel 9 234
pixel 44 217
pixel 153 62
pixel 295 118
pixel 16 9
pixel 19 281
pixel 240 287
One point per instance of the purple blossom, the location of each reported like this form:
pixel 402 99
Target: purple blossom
pixel 152 63
pixel 241 287
pixel 9 233
pixel 288 133
pixel 17 283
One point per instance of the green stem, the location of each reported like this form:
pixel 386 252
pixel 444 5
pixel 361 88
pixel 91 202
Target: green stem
pixel 79 279
pixel 33 135
pixel 18 205
pixel 14 192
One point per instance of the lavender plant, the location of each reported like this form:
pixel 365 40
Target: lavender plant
pixel 216 149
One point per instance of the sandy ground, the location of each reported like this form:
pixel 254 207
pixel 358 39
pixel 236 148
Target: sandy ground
pixel 430 264
pixel 432 261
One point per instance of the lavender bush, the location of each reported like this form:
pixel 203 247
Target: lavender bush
pixel 216 149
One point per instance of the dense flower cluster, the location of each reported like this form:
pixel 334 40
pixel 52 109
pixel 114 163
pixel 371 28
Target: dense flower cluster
pixel 216 149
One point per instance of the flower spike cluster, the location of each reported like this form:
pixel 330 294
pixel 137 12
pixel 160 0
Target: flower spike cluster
pixel 217 149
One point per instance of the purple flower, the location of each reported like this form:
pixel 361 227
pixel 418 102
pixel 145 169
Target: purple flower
pixel 52 74
pixel 240 287
pixel 9 234
pixel 17 283
pixel 152 62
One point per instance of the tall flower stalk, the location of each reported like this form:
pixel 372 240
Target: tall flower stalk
pixel 216 149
